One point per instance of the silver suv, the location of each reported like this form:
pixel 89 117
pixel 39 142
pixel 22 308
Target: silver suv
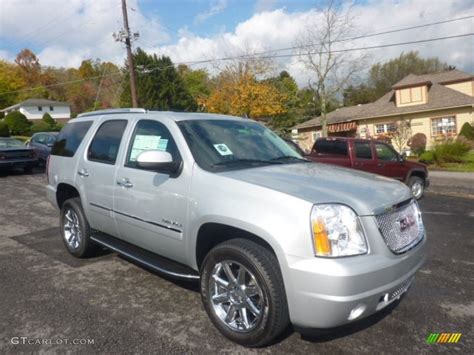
pixel 271 237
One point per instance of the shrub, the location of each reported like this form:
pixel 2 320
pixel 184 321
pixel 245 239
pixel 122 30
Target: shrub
pixel 4 130
pixel 17 123
pixel 48 119
pixel 467 131
pixel 427 157
pixel 469 142
pixel 417 143
pixel 41 126
pixel 450 152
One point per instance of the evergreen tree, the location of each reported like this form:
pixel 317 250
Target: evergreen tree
pixel 159 86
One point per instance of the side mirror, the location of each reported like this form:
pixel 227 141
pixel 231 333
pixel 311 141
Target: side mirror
pixel 159 161
pixel 403 156
pixel 50 145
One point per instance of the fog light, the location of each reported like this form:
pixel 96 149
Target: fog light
pixel 357 311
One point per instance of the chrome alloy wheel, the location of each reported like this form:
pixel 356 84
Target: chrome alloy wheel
pixel 236 297
pixel 72 229
pixel 417 189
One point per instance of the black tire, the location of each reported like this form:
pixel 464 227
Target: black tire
pixel 86 246
pixel 417 186
pixel 263 264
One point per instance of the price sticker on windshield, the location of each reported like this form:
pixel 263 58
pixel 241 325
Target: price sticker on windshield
pixel 223 149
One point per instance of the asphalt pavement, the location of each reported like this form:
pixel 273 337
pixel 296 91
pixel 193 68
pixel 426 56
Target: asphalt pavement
pixel 52 302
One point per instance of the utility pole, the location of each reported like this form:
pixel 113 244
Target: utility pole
pixel 124 35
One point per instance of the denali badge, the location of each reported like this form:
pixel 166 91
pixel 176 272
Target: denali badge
pixel 406 222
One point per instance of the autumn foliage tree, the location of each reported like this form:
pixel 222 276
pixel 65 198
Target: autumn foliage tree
pixel 244 95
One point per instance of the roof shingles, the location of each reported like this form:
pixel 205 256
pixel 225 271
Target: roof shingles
pixel 439 97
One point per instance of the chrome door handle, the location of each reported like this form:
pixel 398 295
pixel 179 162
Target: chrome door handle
pixel 83 172
pixel 125 183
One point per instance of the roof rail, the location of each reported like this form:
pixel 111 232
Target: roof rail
pixel 112 111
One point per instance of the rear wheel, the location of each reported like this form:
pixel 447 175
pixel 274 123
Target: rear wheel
pixel 75 229
pixel 243 293
pixel 417 186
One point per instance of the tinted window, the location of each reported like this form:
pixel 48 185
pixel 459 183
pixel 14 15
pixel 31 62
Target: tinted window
pixel 41 139
pixel 150 135
pixel 363 150
pixel 50 139
pixel 105 145
pixel 384 152
pixel 331 147
pixel 70 138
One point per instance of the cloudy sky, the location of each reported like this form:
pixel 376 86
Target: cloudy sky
pixel 63 33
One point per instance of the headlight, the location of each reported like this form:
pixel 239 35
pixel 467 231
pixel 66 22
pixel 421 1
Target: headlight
pixel 336 231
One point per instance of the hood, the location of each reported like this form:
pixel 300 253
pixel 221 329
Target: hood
pixel 321 183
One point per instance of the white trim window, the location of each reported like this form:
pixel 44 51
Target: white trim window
pixel 441 126
pixel 385 128
pixel 316 135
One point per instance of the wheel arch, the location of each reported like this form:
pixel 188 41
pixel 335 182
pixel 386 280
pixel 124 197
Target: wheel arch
pixel 65 191
pixel 211 234
pixel 419 173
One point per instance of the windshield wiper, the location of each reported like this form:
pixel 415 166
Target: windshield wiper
pixel 245 161
pixel 288 157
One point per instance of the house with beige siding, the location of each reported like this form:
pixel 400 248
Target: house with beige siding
pixel 436 105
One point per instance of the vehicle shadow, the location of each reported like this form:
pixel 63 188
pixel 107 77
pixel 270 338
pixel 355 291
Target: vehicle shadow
pixel 310 335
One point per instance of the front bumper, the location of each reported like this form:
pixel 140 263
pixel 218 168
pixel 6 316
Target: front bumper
pixel 328 293
pixel 19 163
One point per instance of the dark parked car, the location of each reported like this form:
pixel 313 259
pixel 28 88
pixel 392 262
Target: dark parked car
pixel 42 142
pixel 14 154
pixel 372 156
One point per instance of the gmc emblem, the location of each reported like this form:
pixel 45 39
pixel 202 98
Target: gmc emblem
pixel 406 222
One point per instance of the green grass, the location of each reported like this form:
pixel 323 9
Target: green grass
pixel 466 166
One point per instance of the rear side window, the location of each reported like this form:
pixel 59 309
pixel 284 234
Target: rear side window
pixel 363 150
pixel 70 138
pixel 331 147
pixel 106 143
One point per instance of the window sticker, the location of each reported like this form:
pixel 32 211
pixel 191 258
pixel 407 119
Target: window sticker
pixel 163 145
pixel 146 142
pixel 223 149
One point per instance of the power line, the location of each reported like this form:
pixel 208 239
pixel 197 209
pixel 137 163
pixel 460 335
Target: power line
pixel 204 61
pixel 347 38
pixel 370 34
pixel 148 70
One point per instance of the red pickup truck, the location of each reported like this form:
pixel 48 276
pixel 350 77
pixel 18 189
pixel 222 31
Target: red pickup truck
pixel 372 156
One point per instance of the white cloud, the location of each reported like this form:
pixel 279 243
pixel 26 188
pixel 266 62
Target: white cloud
pixel 280 29
pixel 68 32
pixel 217 6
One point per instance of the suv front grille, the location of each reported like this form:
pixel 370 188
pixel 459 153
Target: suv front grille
pixel 402 228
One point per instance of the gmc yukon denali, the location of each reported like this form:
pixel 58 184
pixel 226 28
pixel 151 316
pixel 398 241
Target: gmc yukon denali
pixel 271 237
pixel 372 156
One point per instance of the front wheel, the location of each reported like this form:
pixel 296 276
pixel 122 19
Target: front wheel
pixel 243 292
pixel 417 186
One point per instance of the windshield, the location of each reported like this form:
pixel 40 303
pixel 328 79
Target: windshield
pixel 219 145
pixel 10 143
